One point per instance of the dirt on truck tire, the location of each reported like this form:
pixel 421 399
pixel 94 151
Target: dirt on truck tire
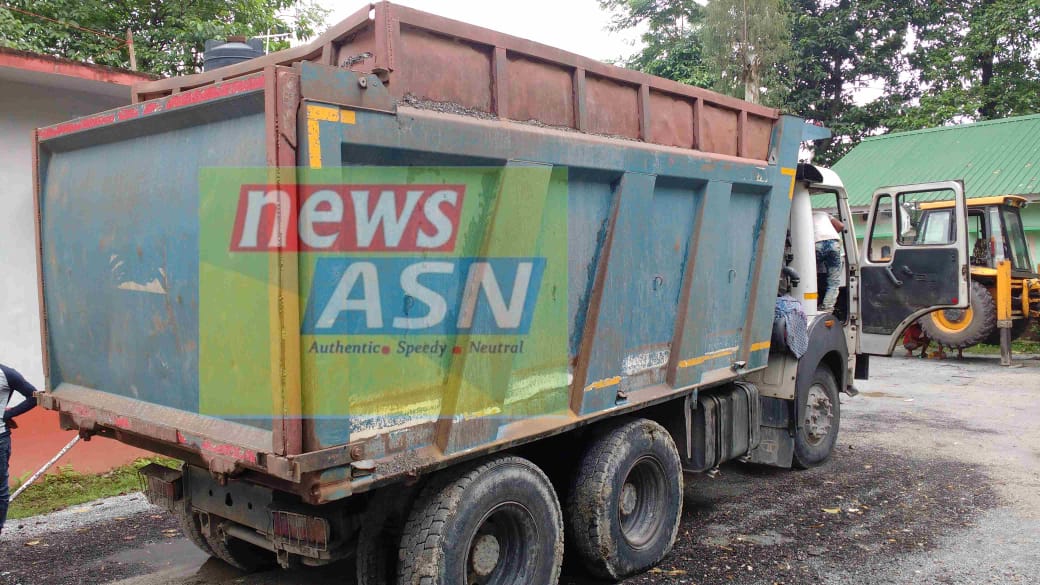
pixel 498 519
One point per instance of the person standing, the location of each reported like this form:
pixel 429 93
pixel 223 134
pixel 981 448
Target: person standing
pixel 10 382
pixel 828 252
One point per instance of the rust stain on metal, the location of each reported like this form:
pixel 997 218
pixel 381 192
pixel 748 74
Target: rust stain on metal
pixel 518 79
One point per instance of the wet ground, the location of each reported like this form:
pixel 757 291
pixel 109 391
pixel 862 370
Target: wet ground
pixel 936 479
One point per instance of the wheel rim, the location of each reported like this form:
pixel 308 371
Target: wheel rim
pixel 502 547
pixel 953 320
pixel 641 502
pixel 819 414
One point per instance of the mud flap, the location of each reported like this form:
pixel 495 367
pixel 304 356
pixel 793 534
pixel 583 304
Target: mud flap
pixel 777 445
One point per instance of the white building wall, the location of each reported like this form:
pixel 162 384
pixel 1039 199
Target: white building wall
pixel 24 107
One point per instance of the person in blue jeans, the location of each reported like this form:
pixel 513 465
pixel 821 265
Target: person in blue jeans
pixel 828 252
pixel 10 382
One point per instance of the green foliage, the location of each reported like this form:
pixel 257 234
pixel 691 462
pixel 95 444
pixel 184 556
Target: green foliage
pixel 975 60
pixel 168 36
pixel 1019 348
pixel 65 488
pixel 671 45
pixel 848 59
pixel 859 67
pixel 744 42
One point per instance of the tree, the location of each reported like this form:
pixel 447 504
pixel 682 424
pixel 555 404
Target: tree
pixel 671 43
pixel 849 69
pixel 168 36
pixel 975 60
pixel 745 41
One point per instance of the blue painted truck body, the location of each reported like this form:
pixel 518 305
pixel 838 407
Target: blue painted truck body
pixel 670 266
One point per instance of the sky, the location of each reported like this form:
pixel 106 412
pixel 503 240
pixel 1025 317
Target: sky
pixel 578 26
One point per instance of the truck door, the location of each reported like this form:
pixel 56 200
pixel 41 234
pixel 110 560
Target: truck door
pixel 912 262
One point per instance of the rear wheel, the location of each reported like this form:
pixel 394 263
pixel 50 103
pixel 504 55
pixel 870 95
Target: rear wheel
pixel 497 523
pixel 380 537
pixel 190 526
pixel 961 328
pixel 819 420
pixel 239 553
pixel 626 500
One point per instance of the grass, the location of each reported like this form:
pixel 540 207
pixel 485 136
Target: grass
pixel 56 491
pixel 1018 346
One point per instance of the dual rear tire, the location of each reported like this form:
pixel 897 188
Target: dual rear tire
pixel 496 523
pixel 499 521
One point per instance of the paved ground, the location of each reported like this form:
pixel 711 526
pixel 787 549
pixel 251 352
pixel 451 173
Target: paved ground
pixel 936 480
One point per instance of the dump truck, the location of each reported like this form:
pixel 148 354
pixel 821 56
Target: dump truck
pixel 996 235
pixel 442 299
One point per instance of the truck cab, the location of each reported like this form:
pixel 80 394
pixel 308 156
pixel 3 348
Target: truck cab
pixel 888 284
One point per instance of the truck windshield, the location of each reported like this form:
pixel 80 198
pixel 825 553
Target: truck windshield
pixel 1016 239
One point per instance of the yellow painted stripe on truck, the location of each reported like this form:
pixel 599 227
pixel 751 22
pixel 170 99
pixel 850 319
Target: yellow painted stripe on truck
pixel 603 383
pixel 314 143
pixel 315 116
pixel 696 361
pixel 760 345
pixel 791 173
pixel 322 113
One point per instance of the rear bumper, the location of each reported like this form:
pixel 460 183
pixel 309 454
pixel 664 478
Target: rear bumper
pixel 225 447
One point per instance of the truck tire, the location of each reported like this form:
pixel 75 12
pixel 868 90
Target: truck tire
pixel 190 526
pixel 497 522
pixel 625 502
pixel 240 554
pixel 819 419
pixel 961 328
pixel 380 537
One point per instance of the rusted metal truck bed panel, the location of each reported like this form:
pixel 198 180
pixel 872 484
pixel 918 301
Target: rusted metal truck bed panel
pixel 199 254
pixel 433 58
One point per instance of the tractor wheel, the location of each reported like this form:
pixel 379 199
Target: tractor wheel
pixel 960 328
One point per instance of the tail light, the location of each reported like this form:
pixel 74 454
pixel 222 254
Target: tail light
pixel 299 530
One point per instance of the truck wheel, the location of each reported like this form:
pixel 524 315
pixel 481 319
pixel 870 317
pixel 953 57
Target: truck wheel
pixel 240 554
pixel 626 500
pixel 496 523
pixel 960 328
pixel 190 526
pixel 380 537
pixel 819 420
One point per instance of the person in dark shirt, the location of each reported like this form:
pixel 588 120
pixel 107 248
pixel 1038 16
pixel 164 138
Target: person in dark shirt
pixel 10 382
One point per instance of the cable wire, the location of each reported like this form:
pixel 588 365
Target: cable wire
pixel 68 24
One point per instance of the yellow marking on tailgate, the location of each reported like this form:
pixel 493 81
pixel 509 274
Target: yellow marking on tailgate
pixel 603 383
pixel 315 116
pixel 314 143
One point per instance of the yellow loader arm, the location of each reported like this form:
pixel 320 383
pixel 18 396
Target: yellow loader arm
pixel 1031 297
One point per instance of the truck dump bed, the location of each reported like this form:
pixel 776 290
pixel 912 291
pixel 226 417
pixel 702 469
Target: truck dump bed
pixel 330 279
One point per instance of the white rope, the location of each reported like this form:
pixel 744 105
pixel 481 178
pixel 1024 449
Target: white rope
pixel 45 467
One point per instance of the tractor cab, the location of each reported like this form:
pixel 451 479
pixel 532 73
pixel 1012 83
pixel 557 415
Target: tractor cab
pixel 994 229
pixel 995 235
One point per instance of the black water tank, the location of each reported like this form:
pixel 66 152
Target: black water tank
pixel 234 50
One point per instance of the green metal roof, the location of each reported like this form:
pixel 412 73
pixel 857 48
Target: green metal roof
pixel 995 157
